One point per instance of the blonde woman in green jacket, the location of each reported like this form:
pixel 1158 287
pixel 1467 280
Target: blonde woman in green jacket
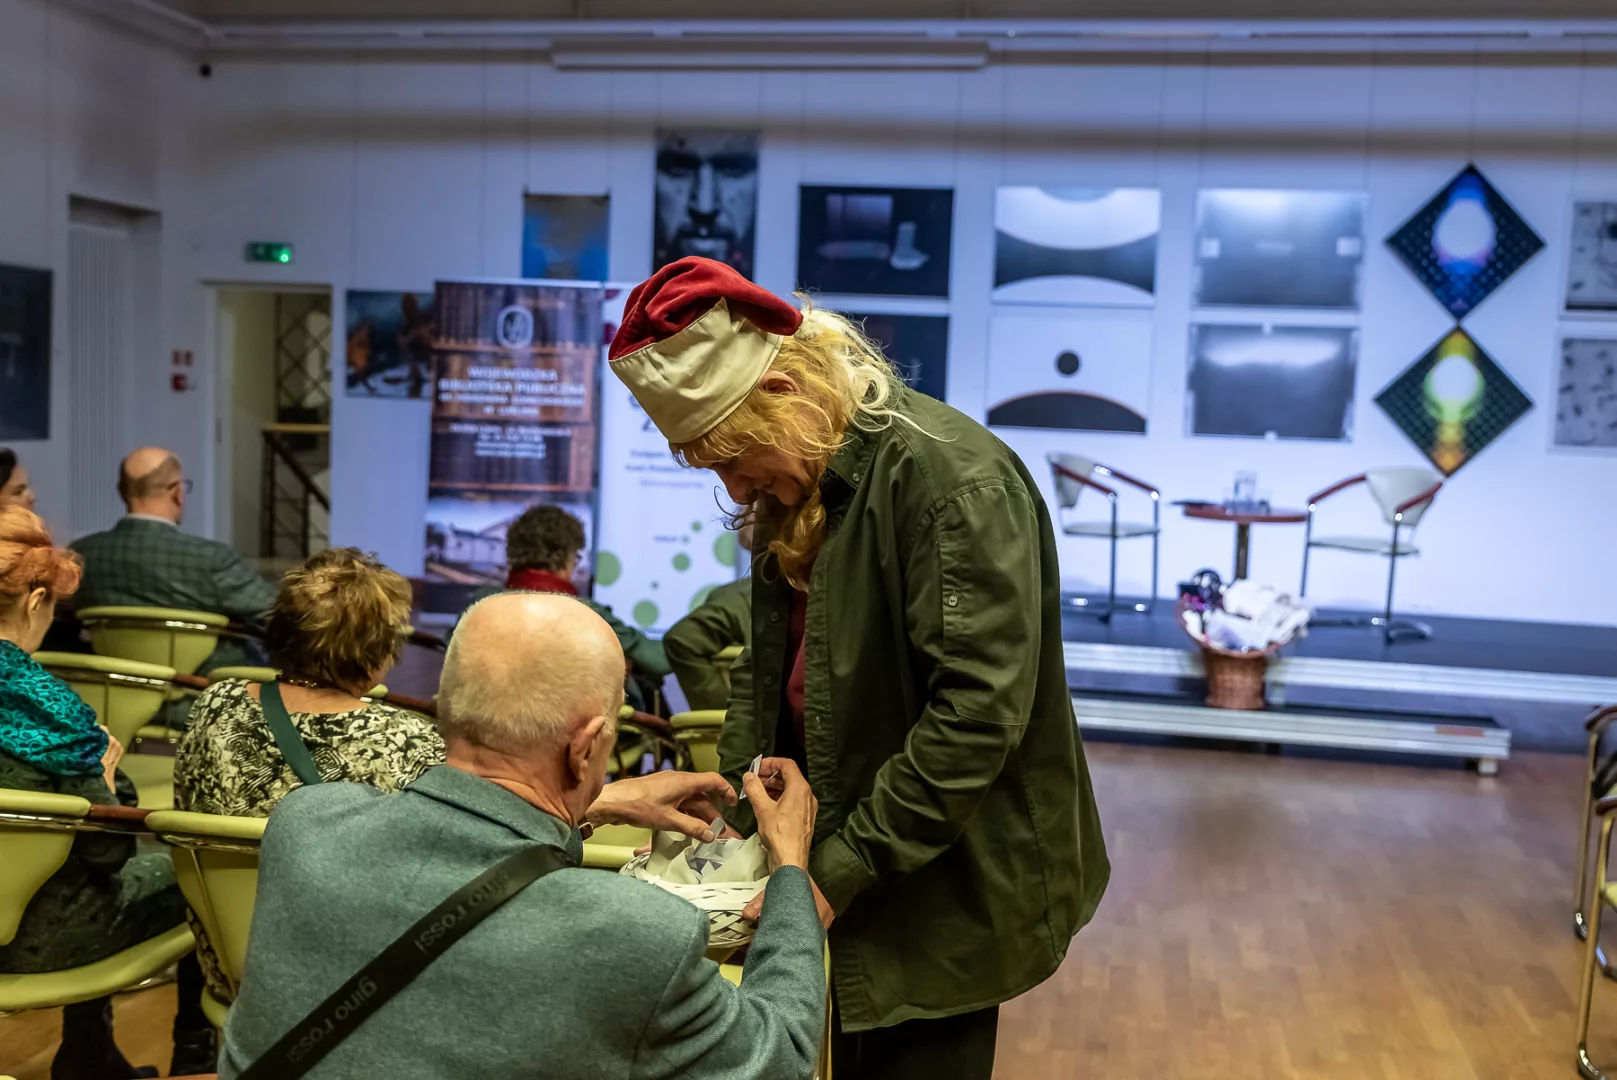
pixel 906 650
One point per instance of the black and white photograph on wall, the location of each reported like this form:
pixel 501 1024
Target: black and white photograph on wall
pixel 1051 367
pixel 389 343
pixel 1453 401
pixel 707 197
pixel 1271 382
pixel 25 353
pixel 1465 242
pixel 1591 276
pixel 1289 249
pixel 1586 394
pixel 1076 245
pixel 918 345
pixel 874 241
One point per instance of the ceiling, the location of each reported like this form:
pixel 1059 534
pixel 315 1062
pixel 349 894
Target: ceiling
pixel 696 34
pixel 238 11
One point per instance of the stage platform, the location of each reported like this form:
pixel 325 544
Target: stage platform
pixel 1472 690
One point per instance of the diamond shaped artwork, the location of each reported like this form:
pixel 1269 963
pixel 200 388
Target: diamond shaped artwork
pixel 1453 401
pixel 1465 243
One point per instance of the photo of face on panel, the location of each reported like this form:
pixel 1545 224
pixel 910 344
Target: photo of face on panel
pixel 707 197
pixel 874 241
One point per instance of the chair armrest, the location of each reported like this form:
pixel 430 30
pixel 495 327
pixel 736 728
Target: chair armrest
pixel 651 725
pixel 237 628
pixel 1426 496
pixel 190 682
pixel 1127 479
pixel 1600 718
pixel 428 641
pixel 1606 805
pixel 118 818
pixel 419 705
pixel 1334 488
pixel 1084 480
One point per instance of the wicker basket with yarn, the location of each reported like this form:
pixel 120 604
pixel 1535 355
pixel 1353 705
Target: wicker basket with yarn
pixel 721 878
pixel 1235 680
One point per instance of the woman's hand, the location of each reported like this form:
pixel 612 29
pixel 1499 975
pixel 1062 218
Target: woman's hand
pixel 785 824
pixel 109 760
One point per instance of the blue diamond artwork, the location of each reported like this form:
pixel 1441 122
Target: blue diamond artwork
pixel 1465 243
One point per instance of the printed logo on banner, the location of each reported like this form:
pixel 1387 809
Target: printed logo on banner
pixel 516 327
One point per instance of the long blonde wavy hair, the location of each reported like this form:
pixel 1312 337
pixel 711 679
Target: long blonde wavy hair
pixel 843 380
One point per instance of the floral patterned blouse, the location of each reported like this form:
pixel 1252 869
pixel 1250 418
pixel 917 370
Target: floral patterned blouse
pixel 228 763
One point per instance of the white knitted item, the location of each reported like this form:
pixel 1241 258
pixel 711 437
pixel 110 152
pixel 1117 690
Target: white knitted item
pixel 721 878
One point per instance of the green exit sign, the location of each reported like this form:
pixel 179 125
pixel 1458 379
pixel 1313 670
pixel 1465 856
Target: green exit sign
pixel 272 253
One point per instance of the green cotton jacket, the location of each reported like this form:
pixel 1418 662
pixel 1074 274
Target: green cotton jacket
pixel 722 620
pixel 957 836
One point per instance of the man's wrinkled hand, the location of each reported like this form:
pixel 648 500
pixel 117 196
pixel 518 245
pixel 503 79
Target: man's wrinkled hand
pixel 669 801
pixel 755 907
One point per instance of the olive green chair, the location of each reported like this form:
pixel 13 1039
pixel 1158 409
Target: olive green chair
pixel 698 734
pixel 725 657
pixel 173 637
pixel 611 846
pixel 126 695
pixel 216 864
pixel 244 671
pixel 36 836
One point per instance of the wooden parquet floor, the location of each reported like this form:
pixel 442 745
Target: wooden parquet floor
pixel 1271 917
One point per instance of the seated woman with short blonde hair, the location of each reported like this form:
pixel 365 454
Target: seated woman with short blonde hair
pixel 338 626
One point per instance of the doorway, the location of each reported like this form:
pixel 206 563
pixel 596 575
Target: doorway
pixel 273 482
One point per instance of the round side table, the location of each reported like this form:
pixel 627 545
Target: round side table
pixel 1243 521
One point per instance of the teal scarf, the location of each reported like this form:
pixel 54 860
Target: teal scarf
pixel 42 721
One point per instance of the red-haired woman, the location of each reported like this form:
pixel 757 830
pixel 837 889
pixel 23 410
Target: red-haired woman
pixel 105 898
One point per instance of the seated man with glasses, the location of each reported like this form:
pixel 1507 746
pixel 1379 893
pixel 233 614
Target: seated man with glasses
pixel 146 561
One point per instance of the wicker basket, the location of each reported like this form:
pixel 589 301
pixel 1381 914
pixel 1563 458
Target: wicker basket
pixel 722 900
pixel 1235 680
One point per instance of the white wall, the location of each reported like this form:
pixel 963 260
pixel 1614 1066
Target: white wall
pixel 391 175
pixel 87 111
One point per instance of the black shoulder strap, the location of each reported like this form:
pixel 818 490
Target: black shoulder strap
pixel 336 1018
pixel 287 739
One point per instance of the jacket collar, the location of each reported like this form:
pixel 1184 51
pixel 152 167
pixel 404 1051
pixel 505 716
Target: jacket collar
pixel 851 464
pixel 488 800
pixel 152 519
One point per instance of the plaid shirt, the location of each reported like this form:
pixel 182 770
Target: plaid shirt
pixel 142 563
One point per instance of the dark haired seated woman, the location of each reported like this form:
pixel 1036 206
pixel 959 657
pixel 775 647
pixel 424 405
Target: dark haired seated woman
pixel 338 625
pixel 542 548
pixel 14 486
pixel 105 898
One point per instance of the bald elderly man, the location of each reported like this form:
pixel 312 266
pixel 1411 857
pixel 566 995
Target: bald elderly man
pixel 146 561
pixel 582 973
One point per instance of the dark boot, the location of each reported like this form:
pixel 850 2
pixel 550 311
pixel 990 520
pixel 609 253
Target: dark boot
pixel 196 1050
pixel 195 1053
pixel 88 1051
